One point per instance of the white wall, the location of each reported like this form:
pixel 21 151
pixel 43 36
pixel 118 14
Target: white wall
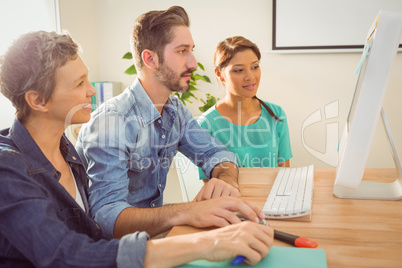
pixel 300 83
pixel 7 112
pixel 79 19
pixel 37 15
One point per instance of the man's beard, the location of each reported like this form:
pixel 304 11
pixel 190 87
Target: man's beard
pixel 171 80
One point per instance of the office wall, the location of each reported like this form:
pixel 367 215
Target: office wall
pixel 303 84
pixel 15 20
pixel 79 19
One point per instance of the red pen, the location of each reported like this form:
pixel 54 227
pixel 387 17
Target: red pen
pixel 295 240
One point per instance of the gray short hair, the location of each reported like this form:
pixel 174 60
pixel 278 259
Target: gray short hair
pixel 30 64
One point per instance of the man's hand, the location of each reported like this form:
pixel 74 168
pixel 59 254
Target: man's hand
pixel 223 182
pixel 216 188
pixel 220 212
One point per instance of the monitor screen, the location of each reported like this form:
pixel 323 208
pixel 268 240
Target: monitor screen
pixel 365 111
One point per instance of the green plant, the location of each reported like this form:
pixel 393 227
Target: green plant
pixel 185 96
pixel 208 103
pixel 130 70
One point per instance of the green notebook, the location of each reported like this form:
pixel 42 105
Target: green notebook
pixel 277 257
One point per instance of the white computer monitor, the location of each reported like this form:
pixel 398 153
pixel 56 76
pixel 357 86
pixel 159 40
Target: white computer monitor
pixel 365 111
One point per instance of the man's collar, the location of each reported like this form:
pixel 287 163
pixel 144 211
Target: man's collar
pixel 149 112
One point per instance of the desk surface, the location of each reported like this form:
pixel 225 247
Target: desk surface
pixel 354 233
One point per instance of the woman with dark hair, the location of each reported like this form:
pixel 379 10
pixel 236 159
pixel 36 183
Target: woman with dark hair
pixel 255 130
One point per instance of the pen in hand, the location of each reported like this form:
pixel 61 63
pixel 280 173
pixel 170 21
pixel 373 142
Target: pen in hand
pixel 294 240
pixel 240 259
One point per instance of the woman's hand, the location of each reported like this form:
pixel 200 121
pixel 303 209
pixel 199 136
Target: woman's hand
pixel 248 239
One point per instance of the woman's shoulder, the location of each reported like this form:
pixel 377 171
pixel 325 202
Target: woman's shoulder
pixel 11 158
pixel 7 146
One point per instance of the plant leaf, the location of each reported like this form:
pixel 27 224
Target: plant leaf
pixel 196 77
pixel 192 88
pixel 206 79
pixel 187 95
pixel 128 56
pixel 131 70
pixel 211 100
pixel 202 77
pixel 201 66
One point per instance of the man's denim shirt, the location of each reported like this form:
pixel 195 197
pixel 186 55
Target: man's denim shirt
pixel 129 146
pixel 41 225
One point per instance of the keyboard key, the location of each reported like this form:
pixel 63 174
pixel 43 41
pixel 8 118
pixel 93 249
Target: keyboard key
pixel 291 180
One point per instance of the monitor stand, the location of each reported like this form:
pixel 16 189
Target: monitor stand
pixel 376 190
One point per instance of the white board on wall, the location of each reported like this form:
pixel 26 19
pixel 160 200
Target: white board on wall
pixel 325 25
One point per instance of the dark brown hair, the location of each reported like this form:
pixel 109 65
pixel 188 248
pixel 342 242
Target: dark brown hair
pixel 228 48
pixel 31 63
pixel 154 30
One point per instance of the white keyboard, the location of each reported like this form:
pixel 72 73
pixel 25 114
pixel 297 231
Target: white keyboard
pixel 291 194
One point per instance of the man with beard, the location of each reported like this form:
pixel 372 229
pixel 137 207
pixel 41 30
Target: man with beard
pixel 129 144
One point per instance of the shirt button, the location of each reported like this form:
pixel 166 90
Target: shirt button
pixel 142 167
pixel 159 121
pixel 152 205
pixel 160 185
pixel 163 136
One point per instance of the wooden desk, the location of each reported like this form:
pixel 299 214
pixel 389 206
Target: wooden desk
pixel 354 233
